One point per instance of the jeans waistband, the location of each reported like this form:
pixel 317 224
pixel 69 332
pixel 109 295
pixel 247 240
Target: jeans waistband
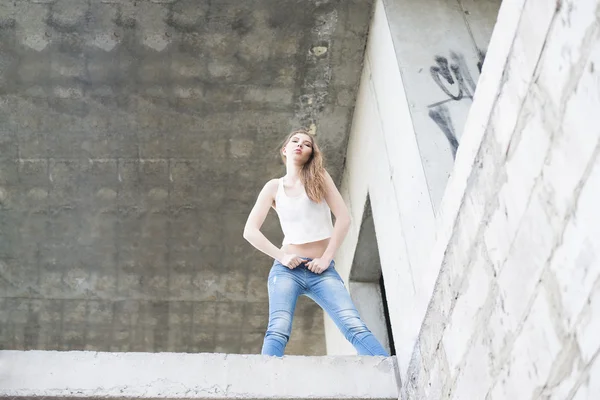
pixel 306 259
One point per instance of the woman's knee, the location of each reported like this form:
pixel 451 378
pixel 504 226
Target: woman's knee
pixel 280 322
pixel 354 324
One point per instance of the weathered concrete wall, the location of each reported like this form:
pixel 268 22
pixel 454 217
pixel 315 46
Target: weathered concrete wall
pixel 92 375
pixel 134 138
pixel 440 46
pixel 516 306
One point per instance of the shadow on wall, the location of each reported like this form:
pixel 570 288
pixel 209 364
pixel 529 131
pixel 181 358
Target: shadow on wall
pixel 366 284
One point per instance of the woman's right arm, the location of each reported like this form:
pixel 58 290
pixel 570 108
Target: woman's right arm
pixel 256 218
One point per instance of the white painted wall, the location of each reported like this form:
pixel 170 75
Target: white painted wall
pixel 516 309
pixel 509 272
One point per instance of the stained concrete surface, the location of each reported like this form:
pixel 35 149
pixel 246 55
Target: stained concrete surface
pixel 134 138
pixel 93 375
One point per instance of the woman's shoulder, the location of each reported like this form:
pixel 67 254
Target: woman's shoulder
pixel 271 186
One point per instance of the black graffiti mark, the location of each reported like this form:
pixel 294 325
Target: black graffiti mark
pixel 441 116
pixel 442 70
pixel 455 80
pixel 453 76
pixel 463 72
pixel 481 54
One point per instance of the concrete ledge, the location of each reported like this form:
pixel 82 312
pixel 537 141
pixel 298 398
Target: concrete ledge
pixel 93 375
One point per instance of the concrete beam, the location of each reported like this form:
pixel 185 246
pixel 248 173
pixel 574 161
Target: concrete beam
pixel 99 375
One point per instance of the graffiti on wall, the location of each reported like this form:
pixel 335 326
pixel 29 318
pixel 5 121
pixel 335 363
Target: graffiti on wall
pixel 453 78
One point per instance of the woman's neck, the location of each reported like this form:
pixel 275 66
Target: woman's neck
pixel 292 172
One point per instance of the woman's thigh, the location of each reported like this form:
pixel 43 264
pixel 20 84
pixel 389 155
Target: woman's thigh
pixel 329 291
pixel 284 286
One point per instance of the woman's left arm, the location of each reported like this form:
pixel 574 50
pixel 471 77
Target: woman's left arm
pixel 342 224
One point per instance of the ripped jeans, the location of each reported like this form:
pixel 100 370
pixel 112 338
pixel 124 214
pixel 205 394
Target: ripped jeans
pixel 327 290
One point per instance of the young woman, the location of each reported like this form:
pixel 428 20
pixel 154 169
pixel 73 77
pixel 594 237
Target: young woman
pixel 304 199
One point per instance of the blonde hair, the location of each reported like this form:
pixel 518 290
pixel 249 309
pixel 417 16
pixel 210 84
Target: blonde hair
pixel 312 174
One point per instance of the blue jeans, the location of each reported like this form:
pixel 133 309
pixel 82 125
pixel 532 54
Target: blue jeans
pixel 327 290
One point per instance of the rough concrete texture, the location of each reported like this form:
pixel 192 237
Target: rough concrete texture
pixel 516 306
pixel 134 138
pixel 92 375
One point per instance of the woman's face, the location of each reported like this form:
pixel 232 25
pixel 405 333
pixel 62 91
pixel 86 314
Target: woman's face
pixel 299 147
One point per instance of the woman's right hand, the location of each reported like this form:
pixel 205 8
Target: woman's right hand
pixel 291 260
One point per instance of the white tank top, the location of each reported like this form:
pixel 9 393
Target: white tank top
pixel 302 220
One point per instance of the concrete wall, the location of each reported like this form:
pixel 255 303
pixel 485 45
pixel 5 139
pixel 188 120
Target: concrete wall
pixel 516 306
pixel 388 160
pixel 134 139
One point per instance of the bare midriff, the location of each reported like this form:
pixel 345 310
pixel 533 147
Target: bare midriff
pixel 307 250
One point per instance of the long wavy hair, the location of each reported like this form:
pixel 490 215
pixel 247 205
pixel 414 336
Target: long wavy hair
pixel 312 174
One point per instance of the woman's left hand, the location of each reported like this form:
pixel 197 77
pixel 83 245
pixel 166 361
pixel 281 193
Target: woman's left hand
pixel 318 265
